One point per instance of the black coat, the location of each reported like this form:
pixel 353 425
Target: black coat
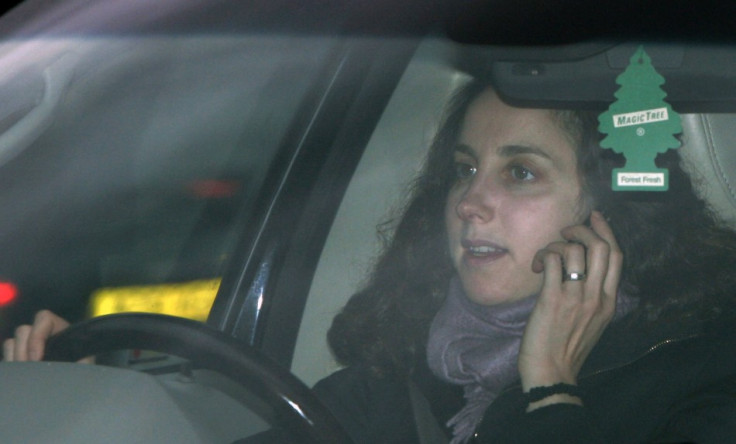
pixel 668 382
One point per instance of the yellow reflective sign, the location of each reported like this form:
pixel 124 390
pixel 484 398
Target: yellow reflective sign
pixel 191 300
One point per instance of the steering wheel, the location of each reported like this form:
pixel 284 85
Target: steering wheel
pixel 296 408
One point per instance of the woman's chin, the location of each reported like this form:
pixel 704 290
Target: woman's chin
pixel 493 298
pixel 486 295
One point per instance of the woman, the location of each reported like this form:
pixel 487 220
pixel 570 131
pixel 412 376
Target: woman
pixel 524 301
pixel 574 313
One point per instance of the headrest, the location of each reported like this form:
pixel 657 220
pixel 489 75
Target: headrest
pixel 709 155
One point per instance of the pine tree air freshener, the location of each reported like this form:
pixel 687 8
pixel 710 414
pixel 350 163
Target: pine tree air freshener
pixel 639 125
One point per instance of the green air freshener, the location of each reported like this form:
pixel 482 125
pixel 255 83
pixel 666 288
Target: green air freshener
pixel 639 125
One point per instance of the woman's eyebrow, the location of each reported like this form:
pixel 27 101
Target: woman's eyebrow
pixel 513 150
pixel 466 149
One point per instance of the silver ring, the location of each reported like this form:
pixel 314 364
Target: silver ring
pixel 573 277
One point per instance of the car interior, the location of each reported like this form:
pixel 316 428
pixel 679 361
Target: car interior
pixel 195 397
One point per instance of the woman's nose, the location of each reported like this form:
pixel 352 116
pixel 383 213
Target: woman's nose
pixel 476 203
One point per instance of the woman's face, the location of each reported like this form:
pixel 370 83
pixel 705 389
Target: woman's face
pixel 516 187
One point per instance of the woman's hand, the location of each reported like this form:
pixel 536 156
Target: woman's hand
pixel 570 315
pixel 29 342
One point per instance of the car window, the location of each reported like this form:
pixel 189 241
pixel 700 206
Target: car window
pixel 128 165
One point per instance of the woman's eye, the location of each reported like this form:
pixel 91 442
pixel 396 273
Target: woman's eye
pixel 519 172
pixel 464 170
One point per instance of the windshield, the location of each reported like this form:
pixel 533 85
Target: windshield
pixel 127 164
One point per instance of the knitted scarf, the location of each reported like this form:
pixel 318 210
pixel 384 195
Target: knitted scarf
pixel 477 346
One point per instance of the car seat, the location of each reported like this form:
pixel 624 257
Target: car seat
pixel 709 155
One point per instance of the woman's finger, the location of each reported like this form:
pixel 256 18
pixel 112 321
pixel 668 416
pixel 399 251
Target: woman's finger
pixel 572 255
pixel 17 348
pixel 552 266
pixel 44 326
pixel 598 253
pixel 615 256
pixel 8 346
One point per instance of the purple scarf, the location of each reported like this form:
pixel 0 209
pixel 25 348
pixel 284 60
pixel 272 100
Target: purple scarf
pixel 477 346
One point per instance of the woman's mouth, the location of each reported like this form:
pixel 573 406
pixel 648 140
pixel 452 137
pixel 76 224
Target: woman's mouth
pixel 481 251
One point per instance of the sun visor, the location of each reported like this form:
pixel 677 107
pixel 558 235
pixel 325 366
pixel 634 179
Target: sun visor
pixel 700 78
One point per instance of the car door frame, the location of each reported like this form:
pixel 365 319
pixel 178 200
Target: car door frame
pixel 263 292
